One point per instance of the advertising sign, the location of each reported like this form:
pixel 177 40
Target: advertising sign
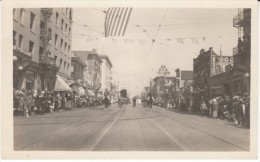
pixel 219 63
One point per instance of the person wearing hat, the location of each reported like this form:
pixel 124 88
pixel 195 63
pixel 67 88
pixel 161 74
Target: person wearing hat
pixel 247 111
pixel 241 112
pixel 215 108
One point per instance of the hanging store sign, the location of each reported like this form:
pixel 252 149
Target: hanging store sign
pixel 219 63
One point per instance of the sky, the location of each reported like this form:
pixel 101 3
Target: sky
pixel 136 60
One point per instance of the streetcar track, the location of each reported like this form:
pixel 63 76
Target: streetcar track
pixel 103 133
pixel 200 130
pixel 139 118
pixel 62 129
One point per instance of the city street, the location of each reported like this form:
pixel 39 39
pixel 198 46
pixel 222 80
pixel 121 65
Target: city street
pixel 127 129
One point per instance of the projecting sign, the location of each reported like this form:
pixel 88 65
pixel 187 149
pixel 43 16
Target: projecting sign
pixel 218 64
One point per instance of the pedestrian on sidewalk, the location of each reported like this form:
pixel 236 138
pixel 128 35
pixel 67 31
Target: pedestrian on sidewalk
pixel 241 113
pixel 215 108
pixel 234 109
pixel 247 110
pixel 203 108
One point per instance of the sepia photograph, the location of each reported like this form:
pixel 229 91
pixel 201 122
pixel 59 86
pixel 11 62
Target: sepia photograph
pixel 124 78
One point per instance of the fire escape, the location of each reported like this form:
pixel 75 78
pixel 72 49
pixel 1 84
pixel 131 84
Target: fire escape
pixel 46 36
pixel 237 24
pixel 47 63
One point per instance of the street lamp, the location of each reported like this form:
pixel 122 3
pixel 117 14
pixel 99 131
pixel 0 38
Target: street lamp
pixel 246 74
pixel 20 67
pixel 15 58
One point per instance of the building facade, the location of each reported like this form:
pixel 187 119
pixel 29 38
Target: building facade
pixel 202 72
pixel 184 80
pixel 36 59
pixel 83 56
pixel 94 64
pixel 78 68
pixel 92 73
pixel 211 73
pixel 240 74
pixel 162 85
pixel 106 73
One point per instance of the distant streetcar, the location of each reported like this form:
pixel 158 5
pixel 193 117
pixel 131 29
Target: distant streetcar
pixel 124 97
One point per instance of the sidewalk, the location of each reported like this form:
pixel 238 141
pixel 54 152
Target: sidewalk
pixel 99 107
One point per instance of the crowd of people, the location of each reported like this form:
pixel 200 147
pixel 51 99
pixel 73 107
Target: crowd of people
pixel 30 102
pixel 234 109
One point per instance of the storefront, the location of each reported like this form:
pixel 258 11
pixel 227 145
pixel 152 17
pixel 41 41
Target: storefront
pixel 220 84
pixel 25 72
pixel 240 82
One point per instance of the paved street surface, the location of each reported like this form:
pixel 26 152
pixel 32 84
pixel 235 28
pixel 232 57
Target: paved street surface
pixel 127 129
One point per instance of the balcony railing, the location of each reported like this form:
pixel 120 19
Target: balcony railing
pixel 237 19
pixel 45 34
pixel 242 18
pixel 46 12
pixel 47 60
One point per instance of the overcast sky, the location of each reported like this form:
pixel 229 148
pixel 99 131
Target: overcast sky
pixel 135 59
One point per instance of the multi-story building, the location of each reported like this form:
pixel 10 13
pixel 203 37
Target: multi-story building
pixel 94 64
pixel 83 56
pixel 93 73
pixel 106 74
pixel 162 85
pixel 202 72
pixel 42 41
pixel 184 80
pixel 208 67
pixel 240 74
pixel 78 68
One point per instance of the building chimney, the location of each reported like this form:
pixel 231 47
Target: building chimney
pixel 211 48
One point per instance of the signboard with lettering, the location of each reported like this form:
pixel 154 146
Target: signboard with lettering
pixel 219 63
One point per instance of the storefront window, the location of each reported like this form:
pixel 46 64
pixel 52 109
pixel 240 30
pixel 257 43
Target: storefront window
pixel 30 80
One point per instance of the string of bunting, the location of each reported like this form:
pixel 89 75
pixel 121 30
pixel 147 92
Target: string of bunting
pixel 142 42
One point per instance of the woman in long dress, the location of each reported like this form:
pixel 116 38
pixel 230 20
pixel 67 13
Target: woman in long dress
pixel 215 108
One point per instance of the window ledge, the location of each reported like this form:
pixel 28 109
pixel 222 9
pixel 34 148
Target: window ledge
pixel 22 24
pixel 32 31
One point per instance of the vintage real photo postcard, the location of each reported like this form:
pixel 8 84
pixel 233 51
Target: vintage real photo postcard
pixel 129 79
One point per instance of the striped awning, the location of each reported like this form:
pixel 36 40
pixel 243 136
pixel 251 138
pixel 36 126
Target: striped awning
pixel 61 85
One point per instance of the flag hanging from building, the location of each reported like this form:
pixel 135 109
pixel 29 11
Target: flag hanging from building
pixel 116 21
pixel 195 40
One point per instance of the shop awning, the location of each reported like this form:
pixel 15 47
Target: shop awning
pixel 61 85
pixel 99 95
pixel 78 90
pixel 91 93
pixel 81 90
pixel 216 87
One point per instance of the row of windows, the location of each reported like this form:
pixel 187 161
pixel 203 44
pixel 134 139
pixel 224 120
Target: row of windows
pixel 31 49
pixel 20 43
pixel 63 46
pixel 65 29
pixel 21 18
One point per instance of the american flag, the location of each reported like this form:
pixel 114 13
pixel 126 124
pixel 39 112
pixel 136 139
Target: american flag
pixel 116 21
